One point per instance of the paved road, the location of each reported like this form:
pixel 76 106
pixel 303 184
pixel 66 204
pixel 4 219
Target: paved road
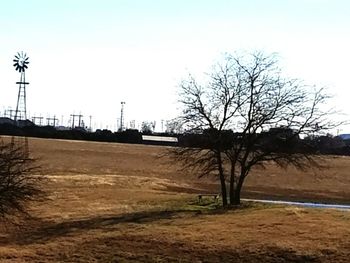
pixel 306 204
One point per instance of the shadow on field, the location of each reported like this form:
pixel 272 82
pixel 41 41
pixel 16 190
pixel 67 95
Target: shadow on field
pixel 144 248
pixel 41 231
pixel 127 244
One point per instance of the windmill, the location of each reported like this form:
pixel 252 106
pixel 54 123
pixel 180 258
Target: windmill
pixel 21 64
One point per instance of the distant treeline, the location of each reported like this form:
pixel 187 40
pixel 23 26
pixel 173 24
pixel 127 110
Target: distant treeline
pixel 128 136
pixel 277 139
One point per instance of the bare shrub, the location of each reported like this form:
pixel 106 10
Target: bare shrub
pixel 19 183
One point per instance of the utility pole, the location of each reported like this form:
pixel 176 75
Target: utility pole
pixel 122 116
pixel 79 120
pixel 73 116
pixel 11 113
pixel 34 118
pixel 54 119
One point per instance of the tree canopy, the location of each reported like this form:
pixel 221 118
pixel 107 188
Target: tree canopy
pixel 249 114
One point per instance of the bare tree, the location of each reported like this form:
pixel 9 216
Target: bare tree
pixel 18 183
pixel 211 107
pixel 251 115
pixel 173 126
pixel 147 127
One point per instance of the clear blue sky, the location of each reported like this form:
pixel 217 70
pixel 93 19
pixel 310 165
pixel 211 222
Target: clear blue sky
pixel 87 56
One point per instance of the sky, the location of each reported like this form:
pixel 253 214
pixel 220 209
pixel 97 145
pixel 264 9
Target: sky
pixel 86 56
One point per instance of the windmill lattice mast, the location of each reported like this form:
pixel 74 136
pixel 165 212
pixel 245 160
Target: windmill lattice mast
pixel 21 62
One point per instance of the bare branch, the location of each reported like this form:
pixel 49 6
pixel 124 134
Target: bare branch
pixel 18 183
pixel 249 114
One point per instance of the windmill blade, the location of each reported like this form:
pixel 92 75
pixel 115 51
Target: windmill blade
pixel 21 61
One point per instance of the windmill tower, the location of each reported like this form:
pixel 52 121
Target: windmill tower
pixel 21 62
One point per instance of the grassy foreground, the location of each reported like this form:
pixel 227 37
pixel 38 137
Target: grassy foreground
pixel 121 203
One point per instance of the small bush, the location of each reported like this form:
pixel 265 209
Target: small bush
pixel 18 183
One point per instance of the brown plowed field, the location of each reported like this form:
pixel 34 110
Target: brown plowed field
pixel 125 203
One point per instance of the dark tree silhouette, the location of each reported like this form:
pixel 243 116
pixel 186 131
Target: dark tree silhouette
pixel 248 114
pixel 18 183
pixel 147 127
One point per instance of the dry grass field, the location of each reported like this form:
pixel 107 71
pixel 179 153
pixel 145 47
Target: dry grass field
pixel 124 203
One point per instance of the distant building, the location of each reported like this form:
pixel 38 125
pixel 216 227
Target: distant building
pixel 159 140
pixel 63 128
pixel 344 136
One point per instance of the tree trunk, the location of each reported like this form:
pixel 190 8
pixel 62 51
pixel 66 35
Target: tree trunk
pixel 237 192
pixel 223 191
pixel 236 197
pixel 222 180
pixel 232 184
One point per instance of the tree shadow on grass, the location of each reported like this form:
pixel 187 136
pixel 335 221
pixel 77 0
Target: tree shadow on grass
pixel 40 231
pixel 145 248
pixel 132 246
